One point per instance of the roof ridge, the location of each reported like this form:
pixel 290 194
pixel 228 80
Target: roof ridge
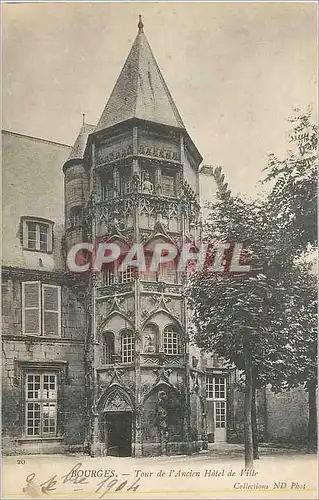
pixel 33 137
pixel 168 93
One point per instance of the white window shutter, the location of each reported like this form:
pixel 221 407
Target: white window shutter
pixel 31 308
pixel 24 234
pixel 51 310
pixel 50 238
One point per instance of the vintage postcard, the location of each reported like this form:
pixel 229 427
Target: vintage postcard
pixel 159 236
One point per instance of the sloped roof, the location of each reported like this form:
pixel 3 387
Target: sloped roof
pixel 140 91
pixel 79 146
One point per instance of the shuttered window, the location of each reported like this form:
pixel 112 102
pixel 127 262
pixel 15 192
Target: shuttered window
pixel 31 307
pixel 41 309
pixel 51 310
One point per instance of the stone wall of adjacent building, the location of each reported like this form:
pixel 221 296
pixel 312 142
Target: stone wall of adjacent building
pixel 287 416
pixel 33 186
pixel 281 417
pixel 64 355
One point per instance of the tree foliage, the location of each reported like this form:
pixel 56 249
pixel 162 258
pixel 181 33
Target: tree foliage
pixel 277 300
pixel 293 196
pixel 275 305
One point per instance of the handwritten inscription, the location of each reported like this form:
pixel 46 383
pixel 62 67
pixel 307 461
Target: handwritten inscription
pixel 81 480
pixel 99 483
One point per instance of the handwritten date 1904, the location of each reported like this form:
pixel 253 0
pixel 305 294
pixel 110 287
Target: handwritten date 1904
pixel 110 482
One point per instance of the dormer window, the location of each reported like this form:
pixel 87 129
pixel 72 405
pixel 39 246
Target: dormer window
pixel 37 234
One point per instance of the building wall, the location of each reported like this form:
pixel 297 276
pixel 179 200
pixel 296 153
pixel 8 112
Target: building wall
pixel 32 186
pixel 287 415
pixel 65 354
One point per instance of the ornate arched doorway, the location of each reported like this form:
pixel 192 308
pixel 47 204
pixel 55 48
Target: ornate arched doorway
pixel 117 424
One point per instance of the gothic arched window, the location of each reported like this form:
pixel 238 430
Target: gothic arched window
pixel 171 340
pixel 127 345
pixel 107 348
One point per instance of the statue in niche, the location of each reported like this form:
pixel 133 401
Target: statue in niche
pixel 161 411
pixel 147 186
pixel 149 343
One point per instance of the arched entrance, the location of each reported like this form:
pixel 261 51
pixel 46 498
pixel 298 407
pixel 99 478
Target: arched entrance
pixel 118 433
pixel 117 424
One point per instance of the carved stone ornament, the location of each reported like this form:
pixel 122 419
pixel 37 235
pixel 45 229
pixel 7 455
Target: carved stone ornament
pixel 162 375
pixel 117 401
pixel 145 389
pixel 117 375
pixel 136 181
pixel 168 154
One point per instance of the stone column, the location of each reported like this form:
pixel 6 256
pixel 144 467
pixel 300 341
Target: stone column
pixel 95 448
pixel 137 445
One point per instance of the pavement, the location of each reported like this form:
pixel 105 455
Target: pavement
pixel 216 451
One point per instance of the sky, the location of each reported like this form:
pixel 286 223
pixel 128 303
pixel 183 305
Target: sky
pixel 235 70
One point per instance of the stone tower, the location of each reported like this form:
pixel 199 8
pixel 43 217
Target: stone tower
pixel 143 188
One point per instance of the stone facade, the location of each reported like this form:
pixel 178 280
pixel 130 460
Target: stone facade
pixel 39 198
pixel 102 362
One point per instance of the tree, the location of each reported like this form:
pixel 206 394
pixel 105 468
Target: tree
pixel 293 180
pixel 298 326
pixel 232 317
pixel 294 198
pixel 252 321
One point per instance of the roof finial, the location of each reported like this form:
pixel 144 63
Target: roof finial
pixel 83 118
pixel 140 24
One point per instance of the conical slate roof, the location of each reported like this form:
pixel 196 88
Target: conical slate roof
pixel 79 146
pixel 140 91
